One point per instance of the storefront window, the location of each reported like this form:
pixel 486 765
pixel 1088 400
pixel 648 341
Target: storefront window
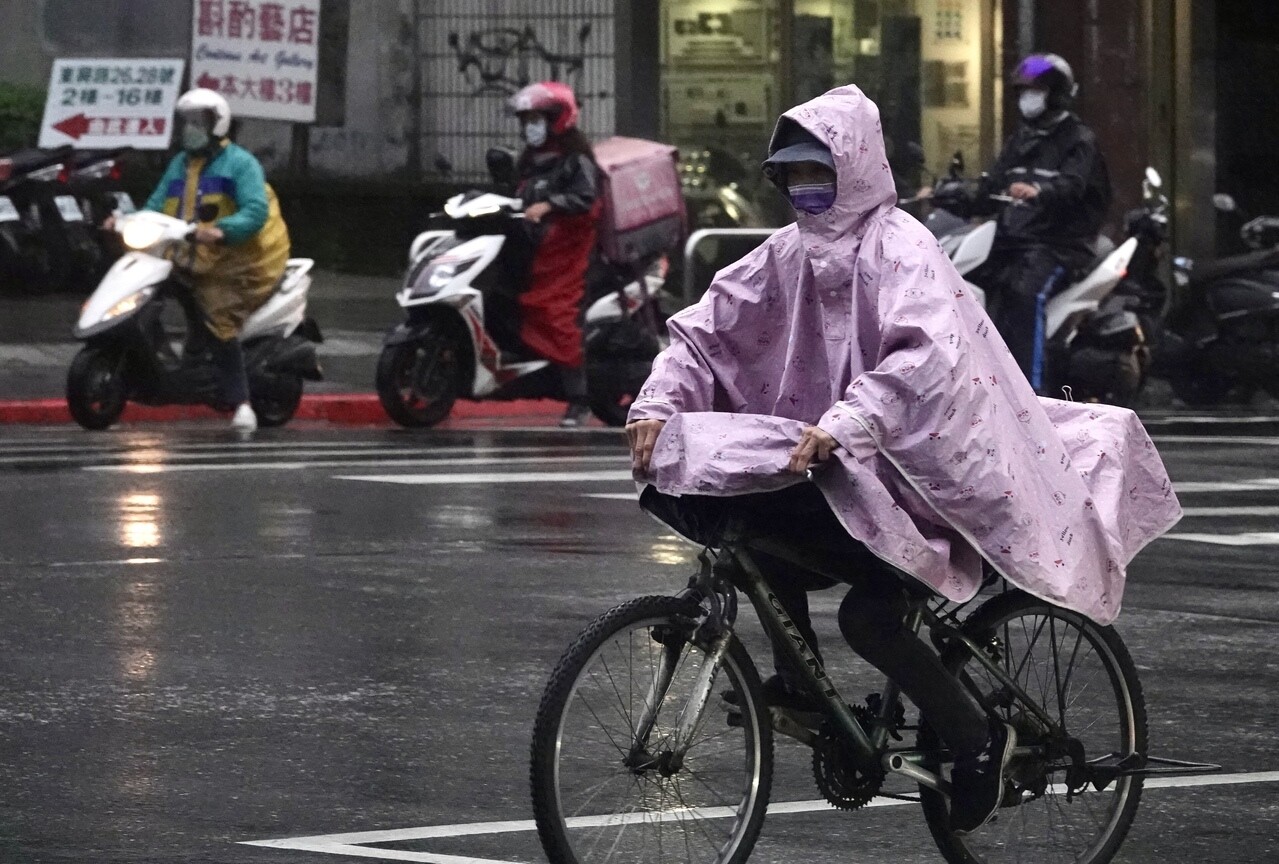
pixel 729 67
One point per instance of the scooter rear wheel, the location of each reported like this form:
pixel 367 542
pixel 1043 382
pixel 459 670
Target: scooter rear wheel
pixel 417 382
pixel 96 392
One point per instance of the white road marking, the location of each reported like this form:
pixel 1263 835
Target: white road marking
pixel 613 496
pixel 151 455
pixel 502 477
pixel 1230 511
pixel 1251 538
pixel 1251 440
pixel 1207 420
pixel 356 844
pixel 1253 485
pixel 160 467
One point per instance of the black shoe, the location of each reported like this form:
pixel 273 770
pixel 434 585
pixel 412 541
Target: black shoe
pixel 778 694
pixel 575 415
pixel 977 784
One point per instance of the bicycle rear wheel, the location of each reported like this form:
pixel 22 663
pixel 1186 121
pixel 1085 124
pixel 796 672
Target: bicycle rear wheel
pixel 601 795
pixel 1083 676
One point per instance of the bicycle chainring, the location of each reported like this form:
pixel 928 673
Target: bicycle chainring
pixel 842 782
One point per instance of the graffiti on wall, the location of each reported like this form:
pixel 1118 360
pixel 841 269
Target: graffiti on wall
pixel 501 60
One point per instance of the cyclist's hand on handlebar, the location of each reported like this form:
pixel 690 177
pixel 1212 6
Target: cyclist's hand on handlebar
pixel 108 224
pixel 208 234
pixel 642 435
pixel 815 446
pixel 1023 191
pixel 537 212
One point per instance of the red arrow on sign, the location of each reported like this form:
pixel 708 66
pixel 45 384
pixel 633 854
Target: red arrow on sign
pixel 80 125
pixel 73 127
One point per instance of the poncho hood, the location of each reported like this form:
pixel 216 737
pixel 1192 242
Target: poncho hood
pixel 848 124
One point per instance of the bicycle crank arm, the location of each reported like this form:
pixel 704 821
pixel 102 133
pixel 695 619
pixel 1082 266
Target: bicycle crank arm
pixel 897 764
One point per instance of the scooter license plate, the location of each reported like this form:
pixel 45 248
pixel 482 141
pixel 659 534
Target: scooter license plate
pixel 8 213
pixel 124 203
pixel 69 208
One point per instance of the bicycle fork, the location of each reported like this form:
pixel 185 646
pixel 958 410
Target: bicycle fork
pixel 691 714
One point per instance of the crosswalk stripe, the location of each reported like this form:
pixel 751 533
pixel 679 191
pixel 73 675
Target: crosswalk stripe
pixel 168 457
pixel 490 478
pixel 1250 538
pixel 1250 485
pixel 1202 512
pixel 166 468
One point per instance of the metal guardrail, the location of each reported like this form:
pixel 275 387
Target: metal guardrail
pixel 691 292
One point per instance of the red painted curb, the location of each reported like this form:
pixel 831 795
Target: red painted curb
pixel 344 409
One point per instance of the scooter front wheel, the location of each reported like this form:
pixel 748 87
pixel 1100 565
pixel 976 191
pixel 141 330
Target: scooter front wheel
pixel 418 382
pixel 96 392
pixel 276 400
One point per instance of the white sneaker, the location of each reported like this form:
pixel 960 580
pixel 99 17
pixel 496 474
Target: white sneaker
pixel 244 420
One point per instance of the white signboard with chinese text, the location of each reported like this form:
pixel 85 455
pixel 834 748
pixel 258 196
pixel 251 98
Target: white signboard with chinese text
pixel 101 104
pixel 262 55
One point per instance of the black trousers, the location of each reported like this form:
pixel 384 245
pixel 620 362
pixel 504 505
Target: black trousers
pixel 229 372
pixel 871 616
pixel 1013 278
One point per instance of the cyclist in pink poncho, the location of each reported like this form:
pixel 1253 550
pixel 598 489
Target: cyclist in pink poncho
pixel 848 339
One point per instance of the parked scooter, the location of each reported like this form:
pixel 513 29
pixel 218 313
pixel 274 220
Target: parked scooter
pixel 146 341
pixel 27 258
pixel 713 181
pixel 460 289
pixel 1222 331
pixel 1086 339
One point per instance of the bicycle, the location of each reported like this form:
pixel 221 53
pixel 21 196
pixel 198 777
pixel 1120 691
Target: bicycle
pixel 627 765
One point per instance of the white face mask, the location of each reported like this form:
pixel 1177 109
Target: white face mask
pixel 535 133
pixel 1032 103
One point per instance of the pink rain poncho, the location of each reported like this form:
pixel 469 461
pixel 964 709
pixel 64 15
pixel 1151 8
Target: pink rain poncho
pixel 855 321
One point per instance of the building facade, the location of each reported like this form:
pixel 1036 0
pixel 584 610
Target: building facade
pixel 1180 85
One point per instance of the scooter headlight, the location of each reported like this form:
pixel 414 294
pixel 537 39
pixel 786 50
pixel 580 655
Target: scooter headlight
pixel 141 234
pixel 128 304
pixel 442 273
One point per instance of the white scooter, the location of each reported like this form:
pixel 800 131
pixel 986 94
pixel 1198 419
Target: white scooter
pixel 146 341
pixel 1095 347
pixel 459 294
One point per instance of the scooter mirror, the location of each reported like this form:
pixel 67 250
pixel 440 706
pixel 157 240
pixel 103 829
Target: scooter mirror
pixel 1224 202
pixel 1153 178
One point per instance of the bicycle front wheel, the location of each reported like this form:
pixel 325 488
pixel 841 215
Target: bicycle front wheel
pixel 1082 675
pixel 610 780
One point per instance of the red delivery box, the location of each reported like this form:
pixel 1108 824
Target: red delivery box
pixel 643 202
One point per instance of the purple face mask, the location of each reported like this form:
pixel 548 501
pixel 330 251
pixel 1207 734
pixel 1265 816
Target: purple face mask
pixel 812 198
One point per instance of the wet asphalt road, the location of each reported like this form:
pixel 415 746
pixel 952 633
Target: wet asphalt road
pixel 205 643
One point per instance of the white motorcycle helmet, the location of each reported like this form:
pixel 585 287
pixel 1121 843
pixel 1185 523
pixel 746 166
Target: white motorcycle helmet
pixel 200 103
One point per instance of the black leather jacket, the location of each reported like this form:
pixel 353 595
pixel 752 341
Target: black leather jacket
pixel 568 182
pixel 1064 161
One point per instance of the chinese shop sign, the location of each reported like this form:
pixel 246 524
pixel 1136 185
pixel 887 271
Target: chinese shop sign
pixel 263 56
pixel 103 104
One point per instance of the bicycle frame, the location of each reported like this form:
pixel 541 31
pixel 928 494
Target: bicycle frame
pixel 741 571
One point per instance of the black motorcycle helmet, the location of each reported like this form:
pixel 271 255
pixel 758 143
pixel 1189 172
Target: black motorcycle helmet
pixel 1050 73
